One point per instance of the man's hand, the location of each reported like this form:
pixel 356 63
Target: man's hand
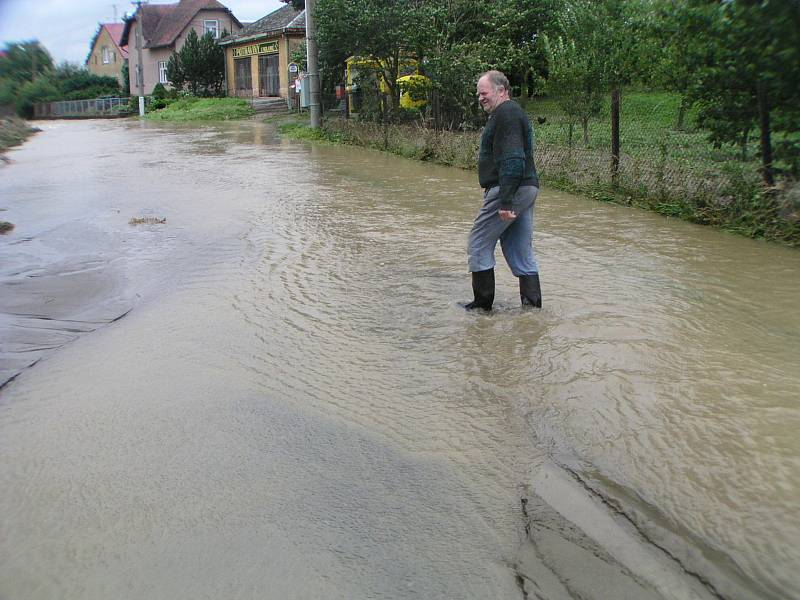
pixel 507 215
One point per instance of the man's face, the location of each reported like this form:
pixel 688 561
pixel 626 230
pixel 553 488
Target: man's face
pixel 489 96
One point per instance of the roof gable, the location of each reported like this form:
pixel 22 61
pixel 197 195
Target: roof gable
pixel 115 31
pixel 163 23
pixel 283 19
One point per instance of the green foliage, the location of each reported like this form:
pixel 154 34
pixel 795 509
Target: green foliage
pixel 382 30
pixel 42 89
pixel 159 91
pixel 76 83
pixel 203 109
pixel 575 80
pixel 8 92
pixel 126 79
pixel 13 131
pixel 300 56
pixel 743 57
pixel 511 43
pixel 199 66
pixel 24 61
pixel 300 131
pixel 66 82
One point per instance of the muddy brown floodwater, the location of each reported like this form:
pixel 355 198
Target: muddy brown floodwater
pixel 295 406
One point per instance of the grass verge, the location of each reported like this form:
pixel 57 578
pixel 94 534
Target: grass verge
pixel 14 131
pixel 203 109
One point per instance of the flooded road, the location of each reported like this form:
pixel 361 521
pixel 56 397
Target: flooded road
pixel 295 406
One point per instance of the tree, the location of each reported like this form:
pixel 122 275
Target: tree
pixel 21 64
pixel 745 62
pixel 126 83
pixel 452 56
pixel 198 66
pixel 613 32
pixel 671 47
pixel 65 82
pixel 573 81
pixel 24 61
pixel 76 83
pixel 41 89
pixel 511 41
pixel 382 31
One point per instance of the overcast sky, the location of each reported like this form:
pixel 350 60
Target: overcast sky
pixel 65 27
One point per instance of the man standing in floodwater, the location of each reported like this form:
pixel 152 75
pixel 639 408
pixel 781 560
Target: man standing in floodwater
pixel 507 174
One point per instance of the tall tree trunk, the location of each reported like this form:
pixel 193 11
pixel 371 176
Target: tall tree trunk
pixel 767 173
pixel 681 114
pixel 615 94
pixel 745 140
pixel 437 111
pixel 525 88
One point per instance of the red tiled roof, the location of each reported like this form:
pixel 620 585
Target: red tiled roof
pixel 115 30
pixel 163 23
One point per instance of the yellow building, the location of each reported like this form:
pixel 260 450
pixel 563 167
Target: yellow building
pixel 107 55
pixel 257 58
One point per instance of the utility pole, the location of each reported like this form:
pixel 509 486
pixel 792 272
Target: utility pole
pixel 139 66
pixel 315 108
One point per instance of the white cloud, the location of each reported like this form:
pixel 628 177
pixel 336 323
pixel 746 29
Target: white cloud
pixel 66 27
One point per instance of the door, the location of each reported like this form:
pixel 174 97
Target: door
pixel 268 75
pixel 244 77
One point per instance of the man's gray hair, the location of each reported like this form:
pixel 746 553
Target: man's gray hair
pixel 497 79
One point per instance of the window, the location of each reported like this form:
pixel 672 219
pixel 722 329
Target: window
pixel 244 77
pixel 162 71
pixel 106 55
pixel 211 26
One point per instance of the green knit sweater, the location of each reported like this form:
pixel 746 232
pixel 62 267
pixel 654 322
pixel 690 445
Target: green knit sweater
pixel 506 153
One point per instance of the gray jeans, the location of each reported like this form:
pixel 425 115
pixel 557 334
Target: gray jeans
pixel 516 237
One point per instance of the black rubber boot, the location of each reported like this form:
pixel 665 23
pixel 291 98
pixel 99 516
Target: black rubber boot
pixel 529 290
pixel 483 289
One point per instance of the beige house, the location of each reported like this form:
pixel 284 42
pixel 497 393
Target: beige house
pixel 257 57
pixel 162 29
pixel 107 55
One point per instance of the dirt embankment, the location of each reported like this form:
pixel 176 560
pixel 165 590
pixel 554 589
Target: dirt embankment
pixel 13 131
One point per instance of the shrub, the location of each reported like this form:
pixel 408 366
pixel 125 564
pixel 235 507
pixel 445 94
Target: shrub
pixel 39 90
pixel 203 109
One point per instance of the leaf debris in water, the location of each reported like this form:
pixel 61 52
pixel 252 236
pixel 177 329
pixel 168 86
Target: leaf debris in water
pixel 147 221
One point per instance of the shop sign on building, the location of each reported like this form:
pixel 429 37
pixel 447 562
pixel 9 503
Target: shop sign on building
pixel 265 48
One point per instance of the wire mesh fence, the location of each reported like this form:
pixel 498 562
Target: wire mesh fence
pixel 664 157
pixel 95 107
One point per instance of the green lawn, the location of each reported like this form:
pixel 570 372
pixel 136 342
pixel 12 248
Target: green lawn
pixel 203 109
pixel 647 132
